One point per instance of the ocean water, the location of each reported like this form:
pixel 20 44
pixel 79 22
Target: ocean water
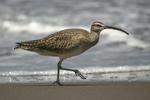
pixel 117 56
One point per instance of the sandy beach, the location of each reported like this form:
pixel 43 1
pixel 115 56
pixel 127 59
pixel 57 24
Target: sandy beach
pixel 76 91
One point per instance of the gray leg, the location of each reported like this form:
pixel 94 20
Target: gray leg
pixel 58 70
pixel 74 70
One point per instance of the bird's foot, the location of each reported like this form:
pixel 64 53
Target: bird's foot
pixel 57 83
pixel 77 73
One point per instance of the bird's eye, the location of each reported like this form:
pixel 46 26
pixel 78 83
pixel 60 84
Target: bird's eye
pixel 98 25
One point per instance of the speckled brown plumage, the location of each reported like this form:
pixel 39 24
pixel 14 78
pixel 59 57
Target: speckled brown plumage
pixel 66 43
pixel 59 43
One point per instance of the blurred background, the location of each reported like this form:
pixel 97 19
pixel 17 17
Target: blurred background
pixel 24 20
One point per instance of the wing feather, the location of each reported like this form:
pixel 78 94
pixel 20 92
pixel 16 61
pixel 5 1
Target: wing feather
pixel 59 42
pixel 65 40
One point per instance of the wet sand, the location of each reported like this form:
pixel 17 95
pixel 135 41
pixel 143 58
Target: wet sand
pixel 76 91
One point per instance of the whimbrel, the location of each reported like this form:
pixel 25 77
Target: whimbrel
pixel 66 43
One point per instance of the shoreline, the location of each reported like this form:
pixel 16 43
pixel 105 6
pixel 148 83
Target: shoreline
pixel 95 77
pixel 76 91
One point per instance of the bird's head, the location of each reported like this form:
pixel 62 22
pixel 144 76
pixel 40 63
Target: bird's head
pixel 99 26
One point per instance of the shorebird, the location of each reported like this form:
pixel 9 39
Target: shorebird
pixel 66 43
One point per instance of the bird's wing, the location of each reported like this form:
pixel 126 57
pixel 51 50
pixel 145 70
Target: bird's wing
pixel 63 40
pixel 59 42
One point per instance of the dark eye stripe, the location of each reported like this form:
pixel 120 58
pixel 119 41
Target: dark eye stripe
pixel 98 25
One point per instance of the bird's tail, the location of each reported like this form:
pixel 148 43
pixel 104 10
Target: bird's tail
pixel 18 45
pixel 26 45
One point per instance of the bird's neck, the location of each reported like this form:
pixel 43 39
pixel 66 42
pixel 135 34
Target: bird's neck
pixel 94 37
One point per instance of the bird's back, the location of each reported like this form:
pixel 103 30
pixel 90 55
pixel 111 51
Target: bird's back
pixel 58 43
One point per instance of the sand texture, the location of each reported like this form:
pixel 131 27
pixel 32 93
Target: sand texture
pixel 76 91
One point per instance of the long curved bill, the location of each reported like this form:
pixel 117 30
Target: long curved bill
pixel 110 27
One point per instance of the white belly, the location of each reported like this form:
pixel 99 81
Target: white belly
pixel 71 53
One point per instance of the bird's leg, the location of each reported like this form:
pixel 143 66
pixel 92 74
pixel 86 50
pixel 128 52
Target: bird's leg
pixel 74 70
pixel 58 70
